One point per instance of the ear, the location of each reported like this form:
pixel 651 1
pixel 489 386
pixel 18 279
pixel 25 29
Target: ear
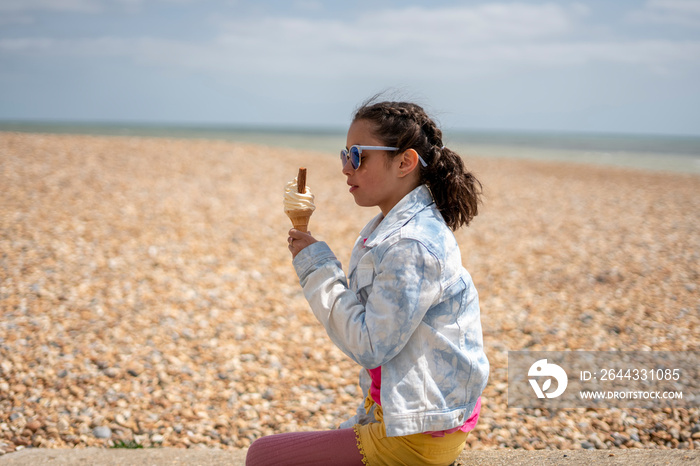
pixel 408 162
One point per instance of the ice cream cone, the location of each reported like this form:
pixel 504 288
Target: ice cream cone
pixel 299 201
pixel 300 218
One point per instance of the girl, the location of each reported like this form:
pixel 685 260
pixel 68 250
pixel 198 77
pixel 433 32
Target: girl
pixel 408 311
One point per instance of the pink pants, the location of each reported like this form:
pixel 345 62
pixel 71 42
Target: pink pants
pixel 336 447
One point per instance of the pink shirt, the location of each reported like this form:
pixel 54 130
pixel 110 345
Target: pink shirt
pixel 375 392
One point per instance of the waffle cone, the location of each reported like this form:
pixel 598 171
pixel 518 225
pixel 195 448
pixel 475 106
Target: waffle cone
pixel 300 218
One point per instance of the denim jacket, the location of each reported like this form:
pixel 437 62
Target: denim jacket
pixel 409 306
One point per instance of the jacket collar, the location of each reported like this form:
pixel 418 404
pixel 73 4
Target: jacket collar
pixel 380 227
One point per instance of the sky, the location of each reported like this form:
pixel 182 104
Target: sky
pixel 618 66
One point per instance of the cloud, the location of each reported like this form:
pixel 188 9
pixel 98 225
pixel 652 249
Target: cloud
pixel 308 5
pixel 389 41
pixel 419 28
pixel 676 6
pixel 76 6
pixel 464 40
pixel 84 6
pixel 413 42
pixel 675 12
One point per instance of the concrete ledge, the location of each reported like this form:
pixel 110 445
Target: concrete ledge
pixel 175 456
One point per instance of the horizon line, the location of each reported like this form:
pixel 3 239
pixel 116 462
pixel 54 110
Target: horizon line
pixel 6 123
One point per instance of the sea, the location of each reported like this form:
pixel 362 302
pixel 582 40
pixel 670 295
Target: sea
pixel 672 153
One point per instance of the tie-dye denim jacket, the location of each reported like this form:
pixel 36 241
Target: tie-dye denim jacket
pixel 409 306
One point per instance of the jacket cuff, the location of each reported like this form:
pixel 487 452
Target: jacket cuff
pixel 310 258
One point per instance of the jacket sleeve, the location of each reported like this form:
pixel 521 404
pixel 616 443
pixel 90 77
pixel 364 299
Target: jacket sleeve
pixel 405 284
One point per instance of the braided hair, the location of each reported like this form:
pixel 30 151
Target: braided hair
pixel 455 190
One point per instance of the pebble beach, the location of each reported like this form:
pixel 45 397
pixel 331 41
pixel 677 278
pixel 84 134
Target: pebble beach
pixel 147 295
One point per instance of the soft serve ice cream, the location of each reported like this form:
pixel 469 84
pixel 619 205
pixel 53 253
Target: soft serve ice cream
pixel 294 200
pixel 299 201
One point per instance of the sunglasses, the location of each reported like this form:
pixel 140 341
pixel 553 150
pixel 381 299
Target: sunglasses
pixel 355 152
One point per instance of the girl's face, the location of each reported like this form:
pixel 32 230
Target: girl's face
pixel 376 182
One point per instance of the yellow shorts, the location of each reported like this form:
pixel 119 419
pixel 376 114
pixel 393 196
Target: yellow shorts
pixel 380 450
